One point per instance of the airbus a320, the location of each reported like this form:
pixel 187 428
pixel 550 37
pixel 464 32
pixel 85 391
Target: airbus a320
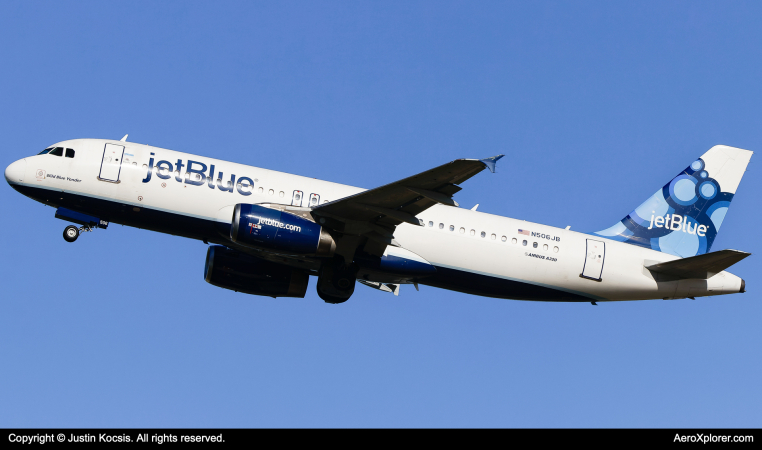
pixel 269 231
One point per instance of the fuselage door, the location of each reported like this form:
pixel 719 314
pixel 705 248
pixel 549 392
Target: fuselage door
pixel 296 200
pixel 111 164
pixel 596 253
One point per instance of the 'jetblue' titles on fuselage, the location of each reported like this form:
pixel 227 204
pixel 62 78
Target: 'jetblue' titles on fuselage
pixel 164 169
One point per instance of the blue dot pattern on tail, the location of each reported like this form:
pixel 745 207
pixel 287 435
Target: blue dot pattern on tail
pixel 684 217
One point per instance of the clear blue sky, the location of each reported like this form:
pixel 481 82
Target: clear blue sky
pixel 595 104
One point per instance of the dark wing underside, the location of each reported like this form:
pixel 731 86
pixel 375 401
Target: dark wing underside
pixel 402 200
pixel 375 213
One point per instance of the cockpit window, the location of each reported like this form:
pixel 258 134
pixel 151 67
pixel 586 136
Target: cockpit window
pixel 45 151
pixel 69 153
pixel 58 151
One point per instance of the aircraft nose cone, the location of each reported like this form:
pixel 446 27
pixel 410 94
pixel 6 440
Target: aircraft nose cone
pixel 15 172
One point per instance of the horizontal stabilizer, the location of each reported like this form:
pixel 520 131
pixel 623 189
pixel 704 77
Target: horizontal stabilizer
pixel 701 266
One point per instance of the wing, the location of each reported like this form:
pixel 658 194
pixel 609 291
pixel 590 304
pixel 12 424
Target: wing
pixel 374 214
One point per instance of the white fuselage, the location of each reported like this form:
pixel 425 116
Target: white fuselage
pixel 462 240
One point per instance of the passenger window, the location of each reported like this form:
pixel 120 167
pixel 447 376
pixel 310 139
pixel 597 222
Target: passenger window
pixel 452 227
pixel 441 226
pixel 261 190
pixel 524 243
pixel 58 151
pixel 534 244
pixel 473 232
pixel 504 239
pixel 555 249
pixel 484 234
pixel 513 241
pixel 431 224
pixel 493 236
pixel 462 230
pixel 69 153
pixel 47 150
pixel 545 247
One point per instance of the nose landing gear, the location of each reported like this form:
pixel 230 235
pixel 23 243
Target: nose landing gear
pixel 71 233
pixel 89 223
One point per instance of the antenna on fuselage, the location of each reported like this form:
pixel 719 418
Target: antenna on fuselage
pixel 124 139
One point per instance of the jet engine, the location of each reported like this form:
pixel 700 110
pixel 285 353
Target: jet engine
pixel 258 226
pixel 230 269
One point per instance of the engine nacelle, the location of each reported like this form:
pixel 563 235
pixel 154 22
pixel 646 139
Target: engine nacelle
pixel 257 226
pixel 230 269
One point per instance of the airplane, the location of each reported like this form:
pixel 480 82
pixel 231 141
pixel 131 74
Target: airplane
pixel 269 231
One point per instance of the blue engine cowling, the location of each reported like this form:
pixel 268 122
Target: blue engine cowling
pixel 230 269
pixel 258 226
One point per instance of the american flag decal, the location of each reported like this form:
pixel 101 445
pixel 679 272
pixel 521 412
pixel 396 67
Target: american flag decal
pixel 526 232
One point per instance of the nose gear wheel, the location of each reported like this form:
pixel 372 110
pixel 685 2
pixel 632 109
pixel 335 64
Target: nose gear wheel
pixel 71 233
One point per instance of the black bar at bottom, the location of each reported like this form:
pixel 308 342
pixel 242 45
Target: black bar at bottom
pixel 235 436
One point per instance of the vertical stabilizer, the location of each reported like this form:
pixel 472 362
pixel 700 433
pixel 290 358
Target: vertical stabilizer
pixel 684 216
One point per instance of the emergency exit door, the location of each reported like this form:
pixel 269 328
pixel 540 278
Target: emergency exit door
pixel 111 164
pixel 296 200
pixel 596 253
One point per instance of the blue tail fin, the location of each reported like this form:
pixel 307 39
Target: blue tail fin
pixel 684 216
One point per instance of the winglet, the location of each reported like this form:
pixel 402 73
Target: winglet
pixel 124 139
pixel 491 162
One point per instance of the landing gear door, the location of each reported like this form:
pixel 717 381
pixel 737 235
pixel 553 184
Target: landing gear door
pixel 596 253
pixel 111 163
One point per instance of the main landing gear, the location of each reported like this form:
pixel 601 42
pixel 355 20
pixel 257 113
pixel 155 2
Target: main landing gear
pixel 336 281
pixel 71 233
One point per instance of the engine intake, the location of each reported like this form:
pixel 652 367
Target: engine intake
pixel 230 269
pixel 258 226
